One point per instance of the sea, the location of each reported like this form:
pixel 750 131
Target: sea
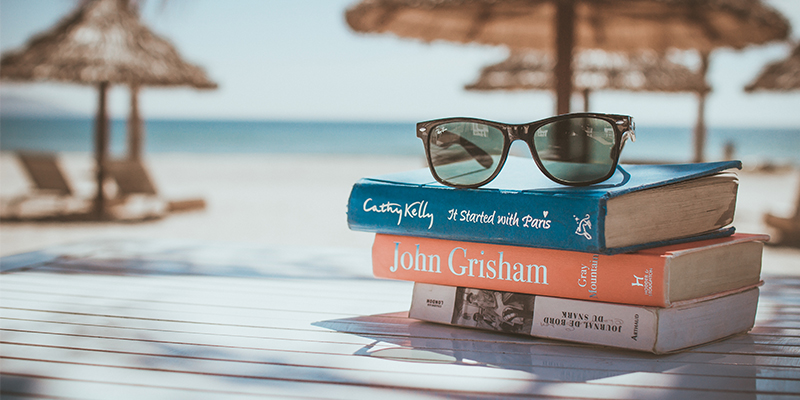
pixel 755 146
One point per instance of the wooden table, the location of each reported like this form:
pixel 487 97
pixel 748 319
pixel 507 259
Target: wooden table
pixel 150 320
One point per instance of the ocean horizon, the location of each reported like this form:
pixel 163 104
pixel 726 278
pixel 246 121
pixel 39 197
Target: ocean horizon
pixel 754 146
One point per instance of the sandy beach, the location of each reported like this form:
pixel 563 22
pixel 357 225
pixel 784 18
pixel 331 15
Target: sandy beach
pixel 295 200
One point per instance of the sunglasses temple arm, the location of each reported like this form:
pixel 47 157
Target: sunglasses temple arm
pixel 625 175
pixel 481 156
pixel 625 136
pixel 629 134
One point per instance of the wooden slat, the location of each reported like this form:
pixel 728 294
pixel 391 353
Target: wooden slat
pixel 210 375
pixel 330 354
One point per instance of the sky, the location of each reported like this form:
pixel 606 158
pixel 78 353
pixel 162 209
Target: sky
pixel 298 60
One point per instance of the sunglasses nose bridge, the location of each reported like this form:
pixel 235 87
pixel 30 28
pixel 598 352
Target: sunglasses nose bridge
pixel 517 132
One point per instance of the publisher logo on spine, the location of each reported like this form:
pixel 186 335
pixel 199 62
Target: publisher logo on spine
pixel 645 281
pixel 584 225
pixel 435 303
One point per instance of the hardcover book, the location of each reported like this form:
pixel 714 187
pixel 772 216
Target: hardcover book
pixel 640 206
pixel 652 277
pixel 652 329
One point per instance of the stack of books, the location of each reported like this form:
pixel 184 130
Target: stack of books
pixel 645 261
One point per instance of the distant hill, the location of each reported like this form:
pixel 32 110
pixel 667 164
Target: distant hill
pixel 18 106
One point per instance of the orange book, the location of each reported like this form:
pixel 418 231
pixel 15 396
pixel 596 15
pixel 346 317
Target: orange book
pixel 653 277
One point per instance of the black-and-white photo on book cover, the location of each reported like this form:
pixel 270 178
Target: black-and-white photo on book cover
pixel 489 309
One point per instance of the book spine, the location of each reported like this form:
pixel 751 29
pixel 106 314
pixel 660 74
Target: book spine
pixel 515 218
pixel 624 326
pixel 636 278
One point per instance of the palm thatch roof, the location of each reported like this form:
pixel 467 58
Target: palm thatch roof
pixel 102 41
pixel 783 75
pixel 614 25
pixel 594 70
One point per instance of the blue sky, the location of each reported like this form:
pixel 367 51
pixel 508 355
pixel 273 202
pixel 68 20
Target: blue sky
pixel 297 59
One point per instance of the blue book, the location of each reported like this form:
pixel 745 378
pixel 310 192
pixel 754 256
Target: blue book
pixel 641 206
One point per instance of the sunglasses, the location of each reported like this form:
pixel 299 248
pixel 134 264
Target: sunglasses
pixel 571 149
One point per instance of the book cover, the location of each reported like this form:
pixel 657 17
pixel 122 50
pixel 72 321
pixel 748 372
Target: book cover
pixel 652 329
pixel 652 277
pixel 522 207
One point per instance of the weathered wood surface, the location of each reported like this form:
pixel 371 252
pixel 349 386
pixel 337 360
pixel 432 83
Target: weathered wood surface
pixel 153 320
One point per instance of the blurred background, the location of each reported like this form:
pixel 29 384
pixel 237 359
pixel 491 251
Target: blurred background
pixel 303 106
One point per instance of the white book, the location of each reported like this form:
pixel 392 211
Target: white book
pixel 658 330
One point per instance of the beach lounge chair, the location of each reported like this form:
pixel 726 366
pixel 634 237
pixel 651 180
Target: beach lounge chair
pixel 788 229
pixel 131 178
pixel 48 183
pixel 45 173
pixel 133 181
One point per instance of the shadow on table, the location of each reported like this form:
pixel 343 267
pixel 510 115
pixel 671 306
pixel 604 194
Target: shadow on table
pixel 193 258
pixel 550 362
pixel 20 385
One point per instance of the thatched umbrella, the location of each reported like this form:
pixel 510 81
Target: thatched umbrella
pixel 644 71
pixel 560 26
pixel 102 43
pixel 782 76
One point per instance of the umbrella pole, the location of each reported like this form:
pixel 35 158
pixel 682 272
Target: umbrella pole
pixel 565 41
pixel 700 126
pixel 135 126
pixel 586 99
pixel 101 150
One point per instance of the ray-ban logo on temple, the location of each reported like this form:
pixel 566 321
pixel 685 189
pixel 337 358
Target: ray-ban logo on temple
pixel 571 149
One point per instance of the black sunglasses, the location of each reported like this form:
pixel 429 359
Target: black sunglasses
pixel 571 149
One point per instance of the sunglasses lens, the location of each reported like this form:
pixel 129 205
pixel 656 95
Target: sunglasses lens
pixel 465 153
pixel 577 150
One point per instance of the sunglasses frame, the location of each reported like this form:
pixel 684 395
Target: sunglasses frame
pixel 624 128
